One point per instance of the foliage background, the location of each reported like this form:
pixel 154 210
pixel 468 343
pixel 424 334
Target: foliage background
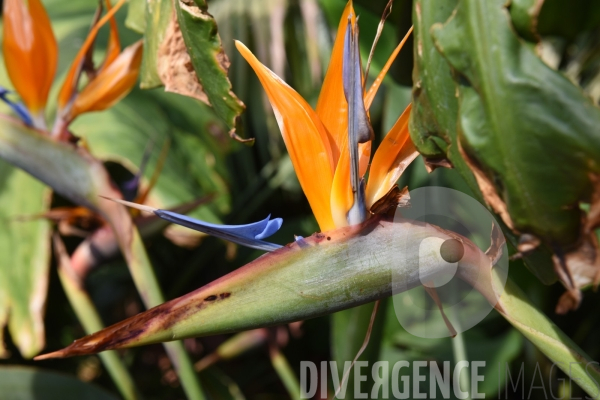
pixel 251 182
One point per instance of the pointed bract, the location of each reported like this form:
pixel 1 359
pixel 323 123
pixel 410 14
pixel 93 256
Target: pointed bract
pixel 311 137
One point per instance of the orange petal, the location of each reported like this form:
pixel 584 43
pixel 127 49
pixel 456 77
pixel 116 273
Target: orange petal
pixel 341 190
pixel 342 198
pixel 111 84
pixel 30 51
pixel 69 86
pixel 305 137
pixel 391 159
pixel 377 82
pixel 332 107
pixel 114 44
pixel 364 156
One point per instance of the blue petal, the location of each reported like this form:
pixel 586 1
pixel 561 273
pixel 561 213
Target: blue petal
pixel 359 127
pixel 272 227
pixel 18 107
pixel 249 235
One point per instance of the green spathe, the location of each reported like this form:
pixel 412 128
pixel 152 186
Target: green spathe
pixel 318 275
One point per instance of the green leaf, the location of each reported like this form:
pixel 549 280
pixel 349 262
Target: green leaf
pixel 524 15
pixel 434 119
pixel 25 383
pixel 202 40
pixel 517 117
pixel 435 107
pixel 136 16
pixel 24 245
pixel 547 337
pixel 158 15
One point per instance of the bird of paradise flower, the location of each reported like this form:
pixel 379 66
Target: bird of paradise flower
pixel 330 150
pixel 330 146
pixel 31 55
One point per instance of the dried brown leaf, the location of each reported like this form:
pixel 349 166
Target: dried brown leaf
pixel 391 200
pixel 528 243
pixel 433 163
pixel 175 65
pixel 578 268
pixel 494 252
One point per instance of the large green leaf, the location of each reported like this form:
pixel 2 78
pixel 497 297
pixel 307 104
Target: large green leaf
pixel 436 116
pixel 24 245
pixel 517 117
pixel 435 107
pixel 24 383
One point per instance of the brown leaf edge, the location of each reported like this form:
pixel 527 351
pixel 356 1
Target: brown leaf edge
pixel 175 67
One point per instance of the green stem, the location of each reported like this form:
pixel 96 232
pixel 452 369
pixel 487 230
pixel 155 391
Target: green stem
pixel 459 352
pixel 286 373
pixel 151 294
pixel 90 320
pixel 549 338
